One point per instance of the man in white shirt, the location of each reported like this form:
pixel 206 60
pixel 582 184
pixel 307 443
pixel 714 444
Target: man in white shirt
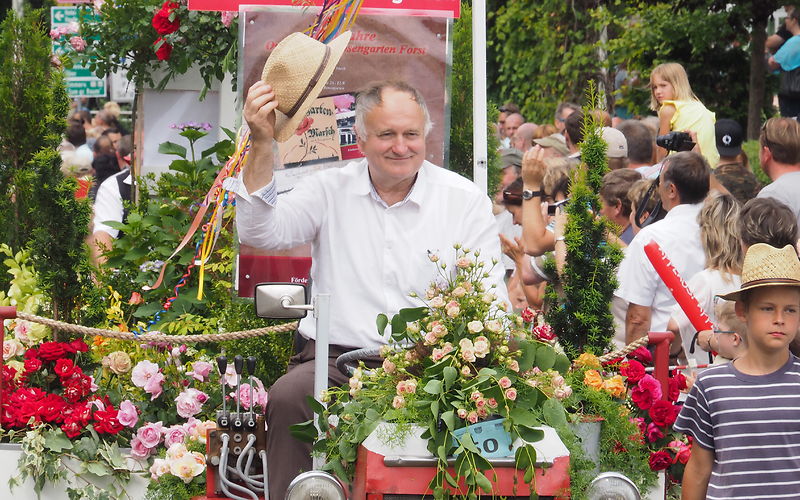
pixel 371 224
pixel 683 185
pixel 780 159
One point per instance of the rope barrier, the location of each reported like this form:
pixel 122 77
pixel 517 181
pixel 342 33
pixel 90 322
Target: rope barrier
pixel 157 337
pixel 621 353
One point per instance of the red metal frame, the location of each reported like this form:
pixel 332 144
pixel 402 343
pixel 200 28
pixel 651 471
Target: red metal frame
pixel 661 341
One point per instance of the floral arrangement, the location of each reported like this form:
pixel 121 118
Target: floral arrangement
pixel 468 361
pixel 158 35
pixel 655 416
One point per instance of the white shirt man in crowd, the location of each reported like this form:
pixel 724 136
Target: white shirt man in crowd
pixel 683 185
pixel 371 225
pixel 780 159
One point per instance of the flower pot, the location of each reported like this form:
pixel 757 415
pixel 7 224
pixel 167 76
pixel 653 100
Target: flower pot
pixel 10 454
pixel 589 434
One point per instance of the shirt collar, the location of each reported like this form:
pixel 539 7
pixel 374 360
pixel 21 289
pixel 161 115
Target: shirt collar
pixel 684 210
pixel 365 187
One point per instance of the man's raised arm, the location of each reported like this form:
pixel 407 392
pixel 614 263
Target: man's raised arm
pixel 259 112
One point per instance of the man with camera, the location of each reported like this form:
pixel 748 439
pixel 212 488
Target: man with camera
pixel 780 159
pixel 683 185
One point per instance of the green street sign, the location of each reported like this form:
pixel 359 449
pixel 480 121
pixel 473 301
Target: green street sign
pixel 86 87
pixel 60 16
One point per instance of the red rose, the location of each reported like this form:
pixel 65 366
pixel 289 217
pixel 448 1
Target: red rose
pixel 64 367
pixel 664 413
pixel 544 333
pixel 52 409
pixel 527 315
pixel 51 351
pixel 643 355
pixel 161 22
pixel 72 427
pixel 677 383
pixel 653 433
pixel 646 392
pixel 9 374
pixel 31 353
pixel 633 370
pixel 105 421
pixel 164 50
pixel 32 365
pixel 304 125
pixel 77 345
pixel 659 460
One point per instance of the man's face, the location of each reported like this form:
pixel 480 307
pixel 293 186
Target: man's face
pixel 608 209
pixel 512 124
pixel 509 176
pixel 115 140
pixel 501 123
pixel 561 120
pixel 395 141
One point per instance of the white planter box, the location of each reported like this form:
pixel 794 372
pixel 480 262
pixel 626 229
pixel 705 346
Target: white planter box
pixel 9 455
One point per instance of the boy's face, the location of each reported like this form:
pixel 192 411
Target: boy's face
pixel 772 317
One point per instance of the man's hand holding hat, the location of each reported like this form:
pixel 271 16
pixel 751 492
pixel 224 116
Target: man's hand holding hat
pixel 259 112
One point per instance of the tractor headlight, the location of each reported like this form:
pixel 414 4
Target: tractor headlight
pixel 317 485
pixel 612 486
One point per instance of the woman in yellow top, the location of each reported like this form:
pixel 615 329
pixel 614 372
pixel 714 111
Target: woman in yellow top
pixel 679 109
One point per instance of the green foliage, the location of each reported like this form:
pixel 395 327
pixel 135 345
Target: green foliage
pixel 124 39
pixel 28 105
pixel 621 450
pixel 169 487
pixel 38 203
pixel 460 152
pixel 750 148
pixel 544 51
pixel 467 362
pixel 580 298
pixel 90 468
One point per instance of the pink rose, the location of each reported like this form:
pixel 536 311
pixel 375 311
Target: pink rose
pixel 175 434
pixel 653 432
pixel 200 370
pixel 483 412
pixel 11 348
pixel 511 393
pixel 138 449
pixel 491 402
pixel 227 17
pixel 462 413
pixel 142 372
pixel 243 396
pixel 388 366
pixel 153 386
pixel 398 402
pixel 646 392
pixel 78 43
pixel 472 417
pixel 150 434
pixel 504 382
pixel 189 402
pixel 682 451
pixel 127 414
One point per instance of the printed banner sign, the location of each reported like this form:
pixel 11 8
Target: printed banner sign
pixel 410 48
pixel 405 7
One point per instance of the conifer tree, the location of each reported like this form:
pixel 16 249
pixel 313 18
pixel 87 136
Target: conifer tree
pixel 36 200
pixel 579 300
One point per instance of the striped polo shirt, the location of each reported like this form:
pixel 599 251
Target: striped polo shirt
pixel 752 423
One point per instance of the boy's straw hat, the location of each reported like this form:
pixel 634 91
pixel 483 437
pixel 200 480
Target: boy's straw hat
pixel 297 69
pixel 765 265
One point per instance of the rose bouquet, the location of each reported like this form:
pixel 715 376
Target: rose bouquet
pixel 457 360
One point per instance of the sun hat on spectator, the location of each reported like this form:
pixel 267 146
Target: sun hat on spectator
pixel 555 141
pixel 297 69
pixel 765 265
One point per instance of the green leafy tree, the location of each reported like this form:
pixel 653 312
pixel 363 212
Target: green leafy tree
pixel 37 200
pixel 579 299
pixel 460 153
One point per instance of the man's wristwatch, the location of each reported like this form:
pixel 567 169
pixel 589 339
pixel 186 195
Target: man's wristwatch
pixel 527 194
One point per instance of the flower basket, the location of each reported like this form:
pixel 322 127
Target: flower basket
pixel 10 454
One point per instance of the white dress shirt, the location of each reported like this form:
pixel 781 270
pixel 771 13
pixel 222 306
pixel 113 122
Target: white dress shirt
pixel 367 255
pixel 678 234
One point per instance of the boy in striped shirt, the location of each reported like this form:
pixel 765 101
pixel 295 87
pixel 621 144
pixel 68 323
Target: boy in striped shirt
pixel 744 416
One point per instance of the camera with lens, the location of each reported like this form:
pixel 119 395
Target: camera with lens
pixel 675 141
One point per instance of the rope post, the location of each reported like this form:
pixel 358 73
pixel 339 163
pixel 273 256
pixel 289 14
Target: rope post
pixel 6 312
pixel 661 340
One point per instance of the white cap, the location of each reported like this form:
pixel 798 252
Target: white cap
pixel 617 144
